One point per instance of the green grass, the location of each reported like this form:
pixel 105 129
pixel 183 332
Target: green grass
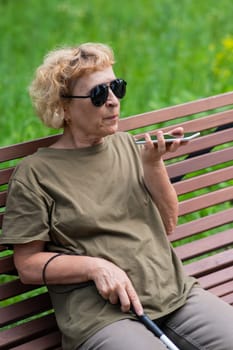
pixel 169 51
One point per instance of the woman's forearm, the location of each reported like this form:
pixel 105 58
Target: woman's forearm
pixel 64 269
pixel 163 193
pixel 30 261
pixel 112 282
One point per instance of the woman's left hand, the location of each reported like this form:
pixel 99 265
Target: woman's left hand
pixel 152 152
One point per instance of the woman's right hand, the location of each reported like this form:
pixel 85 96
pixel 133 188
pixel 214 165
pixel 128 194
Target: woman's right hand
pixel 114 285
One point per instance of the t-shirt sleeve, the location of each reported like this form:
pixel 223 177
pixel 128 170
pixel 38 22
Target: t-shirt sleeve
pixel 26 217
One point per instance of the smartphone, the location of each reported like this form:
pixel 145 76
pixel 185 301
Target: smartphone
pixel 170 138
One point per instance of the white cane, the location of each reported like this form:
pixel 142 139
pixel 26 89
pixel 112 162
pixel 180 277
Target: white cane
pixel 152 326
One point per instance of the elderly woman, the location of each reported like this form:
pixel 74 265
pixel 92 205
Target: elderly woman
pixel 94 210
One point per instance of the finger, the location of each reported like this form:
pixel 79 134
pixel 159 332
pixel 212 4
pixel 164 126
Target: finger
pixel 124 300
pixel 178 132
pixel 149 143
pixel 104 290
pixel 134 301
pixel 161 142
pixel 113 298
pixel 174 146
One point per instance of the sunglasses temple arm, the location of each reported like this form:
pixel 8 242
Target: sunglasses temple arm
pixel 70 96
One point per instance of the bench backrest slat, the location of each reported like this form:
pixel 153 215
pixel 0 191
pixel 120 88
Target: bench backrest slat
pixel 199 247
pixel 210 264
pixel 49 341
pixel 174 112
pixel 202 224
pixel 204 180
pixel 212 198
pixel 6 264
pixel 13 288
pixel 27 331
pixel 24 308
pixel 216 278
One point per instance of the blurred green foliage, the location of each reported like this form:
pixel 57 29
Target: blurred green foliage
pixel 168 51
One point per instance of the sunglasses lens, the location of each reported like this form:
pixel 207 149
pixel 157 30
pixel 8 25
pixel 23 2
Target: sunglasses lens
pixel 99 95
pixel 118 87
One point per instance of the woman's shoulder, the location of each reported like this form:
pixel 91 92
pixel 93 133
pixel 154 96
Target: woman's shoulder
pixel 29 165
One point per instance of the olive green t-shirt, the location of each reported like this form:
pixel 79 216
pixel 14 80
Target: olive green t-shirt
pixel 93 201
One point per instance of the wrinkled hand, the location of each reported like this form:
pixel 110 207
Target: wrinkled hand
pixel 114 285
pixel 151 152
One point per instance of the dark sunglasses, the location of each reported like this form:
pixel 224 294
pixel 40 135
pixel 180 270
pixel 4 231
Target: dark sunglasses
pixel 99 93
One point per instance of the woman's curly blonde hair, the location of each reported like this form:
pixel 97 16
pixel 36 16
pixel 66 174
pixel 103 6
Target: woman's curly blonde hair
pixel 58 74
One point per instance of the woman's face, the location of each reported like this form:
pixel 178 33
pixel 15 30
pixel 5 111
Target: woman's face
pixel 88 123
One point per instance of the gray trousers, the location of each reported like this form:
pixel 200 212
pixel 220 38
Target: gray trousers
pixel 204 323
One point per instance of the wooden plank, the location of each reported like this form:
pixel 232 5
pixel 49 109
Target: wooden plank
pixel 204 180
pixel 181 110
pixel 3 198
pixel 46 342
pixel 1 219
pixel 203 224
pixel 217 121
pixel 7 264
pixel 221 119
pixel 199 162
pixel 223 289
pixel 217 278
pixel 5 174
pixel 210 264
pixel 2 248
pixel 27 331
pixel 205 245
pixel 206 200
pixel 14 288
pixel 228 298
pixel 24 309
pixel 25 148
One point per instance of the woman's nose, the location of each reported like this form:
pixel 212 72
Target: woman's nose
pixel 112 99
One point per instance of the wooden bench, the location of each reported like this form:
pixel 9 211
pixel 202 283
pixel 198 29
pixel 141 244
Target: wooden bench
pixel 202 173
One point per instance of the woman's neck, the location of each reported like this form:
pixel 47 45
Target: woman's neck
pixel 70 141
